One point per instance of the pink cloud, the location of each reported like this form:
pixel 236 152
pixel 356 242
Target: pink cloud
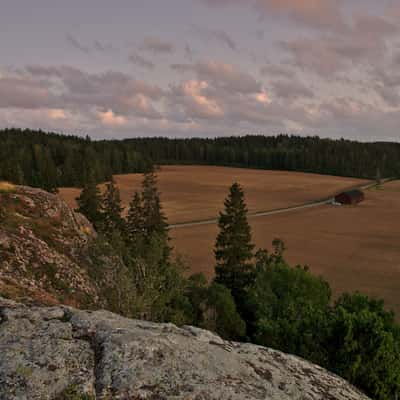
pixel 57 114
pixel 223 76
pixel 193 100
pixel 110 119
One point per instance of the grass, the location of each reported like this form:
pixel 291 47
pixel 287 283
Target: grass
pixel 197 192
pixel 6 187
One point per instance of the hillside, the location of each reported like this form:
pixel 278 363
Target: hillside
pixel 89 355
pixel 46 250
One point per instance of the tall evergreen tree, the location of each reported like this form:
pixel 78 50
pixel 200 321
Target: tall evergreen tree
pixel 135 221
pixel 112 220
pixel 154 219
pixel 233 247
pixel 89 201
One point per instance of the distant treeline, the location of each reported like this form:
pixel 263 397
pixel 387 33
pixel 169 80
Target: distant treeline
pixel 49 160
pixel 282 152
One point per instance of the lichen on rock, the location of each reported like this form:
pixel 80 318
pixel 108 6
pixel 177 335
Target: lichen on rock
pixel 44 249
pixel 45 351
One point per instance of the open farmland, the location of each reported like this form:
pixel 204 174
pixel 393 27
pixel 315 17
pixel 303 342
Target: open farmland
pixel 354 248
pixel 192 193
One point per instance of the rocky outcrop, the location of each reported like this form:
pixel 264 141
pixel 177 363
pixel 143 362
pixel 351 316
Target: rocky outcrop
pixel 63 353
pixel 44 249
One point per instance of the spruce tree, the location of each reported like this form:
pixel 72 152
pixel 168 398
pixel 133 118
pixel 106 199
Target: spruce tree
pixel 154 219
pixel 89 201
pixel 112 220
pixel 233 247
pixel 135 221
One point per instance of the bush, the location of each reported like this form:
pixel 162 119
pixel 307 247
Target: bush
pixel 291 310
pixel 364 346
pixel 214 309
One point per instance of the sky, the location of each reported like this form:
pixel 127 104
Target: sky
pixel 204 68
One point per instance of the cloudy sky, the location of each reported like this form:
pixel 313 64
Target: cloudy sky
pixel 125 68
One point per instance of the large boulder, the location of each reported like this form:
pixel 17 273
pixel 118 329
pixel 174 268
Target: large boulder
pixel 44 249
pixel 62 353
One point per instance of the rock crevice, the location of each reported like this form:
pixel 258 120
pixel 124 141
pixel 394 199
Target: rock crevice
pixel 45 350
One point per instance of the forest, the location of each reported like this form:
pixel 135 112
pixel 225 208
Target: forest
pixel 51 160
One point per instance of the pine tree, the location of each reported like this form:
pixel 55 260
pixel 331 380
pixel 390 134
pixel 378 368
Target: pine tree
pixel 233 248
pixel 135 221
pixel 89 201
pixel 112 220
pixel 154 219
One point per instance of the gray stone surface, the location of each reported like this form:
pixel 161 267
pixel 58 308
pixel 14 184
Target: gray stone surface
pixel 43 351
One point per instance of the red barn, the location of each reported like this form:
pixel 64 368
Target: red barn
pixel 351 197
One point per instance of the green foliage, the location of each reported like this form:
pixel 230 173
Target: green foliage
pixel 291 308
pixel 110 268
pixel 42 159
pixel 155 221
pixel 49 160
pixel 357 338
pixel 213 308
pixel 90 201
pixel 196 291
pixel 365 346
pixel 220 314
pixel 112 220
pixel 146 220
pixel 233 247
pixel 135 223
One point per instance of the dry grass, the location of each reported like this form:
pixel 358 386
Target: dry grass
pixel 353 247
pixel 6 186
pixel 198 192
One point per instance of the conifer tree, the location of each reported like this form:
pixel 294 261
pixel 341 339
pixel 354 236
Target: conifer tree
pixel 135 221
pixel 89 201
pixel 154 219
pixel 233 247
pixel 112 220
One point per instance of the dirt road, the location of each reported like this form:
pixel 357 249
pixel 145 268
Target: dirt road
pixel 304 206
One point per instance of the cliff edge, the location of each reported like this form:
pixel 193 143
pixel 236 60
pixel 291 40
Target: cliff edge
pixel 63 353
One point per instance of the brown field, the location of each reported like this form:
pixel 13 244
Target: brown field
pixel 353 247
pixel 198 192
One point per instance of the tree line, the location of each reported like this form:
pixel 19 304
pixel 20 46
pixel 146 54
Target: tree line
pixel 51 160
pixel 256 296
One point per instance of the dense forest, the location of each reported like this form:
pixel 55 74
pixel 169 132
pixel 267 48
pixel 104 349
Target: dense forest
pixel 50 160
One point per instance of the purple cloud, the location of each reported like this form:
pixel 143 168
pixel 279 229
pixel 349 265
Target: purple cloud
pixel 157 46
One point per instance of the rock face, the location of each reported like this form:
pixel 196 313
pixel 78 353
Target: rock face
pixel 46 353
pixel 44 249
